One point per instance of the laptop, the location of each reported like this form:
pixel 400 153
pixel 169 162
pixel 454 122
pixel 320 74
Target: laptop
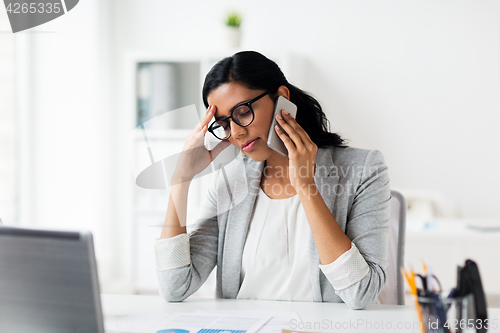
pixel 48 282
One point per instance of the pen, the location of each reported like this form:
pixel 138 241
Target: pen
pixel 410 278
pixel 426 276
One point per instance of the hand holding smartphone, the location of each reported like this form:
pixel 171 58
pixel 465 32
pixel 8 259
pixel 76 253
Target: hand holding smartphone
pixel 273 140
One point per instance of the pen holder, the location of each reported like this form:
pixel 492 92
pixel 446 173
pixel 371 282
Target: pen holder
pixel 447 315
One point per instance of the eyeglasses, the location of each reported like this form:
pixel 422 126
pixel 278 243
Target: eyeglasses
pixel 242 114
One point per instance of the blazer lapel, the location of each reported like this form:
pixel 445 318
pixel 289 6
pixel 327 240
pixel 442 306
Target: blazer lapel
pixel 238 220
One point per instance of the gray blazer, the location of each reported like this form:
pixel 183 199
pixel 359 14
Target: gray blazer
pixel 355 186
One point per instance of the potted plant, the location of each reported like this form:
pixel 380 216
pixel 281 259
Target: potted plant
pixel 233 22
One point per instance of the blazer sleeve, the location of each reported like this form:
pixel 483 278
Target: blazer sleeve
pixel 368 228
pixel 183 264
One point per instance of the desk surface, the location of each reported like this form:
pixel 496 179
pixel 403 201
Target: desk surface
pixel 330 317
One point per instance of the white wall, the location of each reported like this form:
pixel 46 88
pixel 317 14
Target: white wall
pixel 418 80
pixel 68 127
pixel 8 163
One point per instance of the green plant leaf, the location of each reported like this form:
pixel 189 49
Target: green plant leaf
pixel 233 20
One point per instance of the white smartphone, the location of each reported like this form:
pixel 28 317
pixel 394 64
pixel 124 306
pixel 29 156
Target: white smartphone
pixel 273 140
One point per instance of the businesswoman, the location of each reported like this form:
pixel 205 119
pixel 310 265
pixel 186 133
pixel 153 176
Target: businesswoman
pixel 310 226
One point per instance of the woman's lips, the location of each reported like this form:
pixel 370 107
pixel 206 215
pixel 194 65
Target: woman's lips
pixel 250 145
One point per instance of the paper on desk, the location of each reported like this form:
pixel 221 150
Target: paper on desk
pixel 238 322
pixel 133 323
pixel 280 319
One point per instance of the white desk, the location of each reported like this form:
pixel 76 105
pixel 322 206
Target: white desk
pixel 382 318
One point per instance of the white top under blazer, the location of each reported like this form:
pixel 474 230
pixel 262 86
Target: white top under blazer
pixel 275 253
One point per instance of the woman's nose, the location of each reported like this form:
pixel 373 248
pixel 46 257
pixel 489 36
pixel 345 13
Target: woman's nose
pixel 237 130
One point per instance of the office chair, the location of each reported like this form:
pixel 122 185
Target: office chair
pixel 394 290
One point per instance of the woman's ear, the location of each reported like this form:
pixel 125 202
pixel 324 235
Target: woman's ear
pixel 283 91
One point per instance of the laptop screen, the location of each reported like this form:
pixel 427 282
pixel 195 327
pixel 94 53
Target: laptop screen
pixel 48 282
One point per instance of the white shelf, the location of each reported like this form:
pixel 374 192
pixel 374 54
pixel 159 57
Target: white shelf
pixel 459 242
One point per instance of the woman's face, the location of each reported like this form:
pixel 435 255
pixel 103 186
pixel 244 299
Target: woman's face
pixel 225 97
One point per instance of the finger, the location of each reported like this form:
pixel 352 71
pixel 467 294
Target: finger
pixel 208 115
pixel 290 146
pixel 206 119
pixel 198 135
pixel 289 119
pixel 297 140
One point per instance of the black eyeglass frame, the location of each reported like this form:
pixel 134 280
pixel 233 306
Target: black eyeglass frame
pixel 247 103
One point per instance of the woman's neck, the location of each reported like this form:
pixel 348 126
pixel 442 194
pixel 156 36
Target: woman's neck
pixel 276 167
pixel 275 181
